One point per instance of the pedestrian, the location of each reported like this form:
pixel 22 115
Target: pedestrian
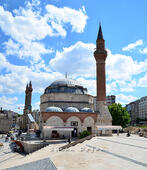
pixel 128 134
pixel 69 140
pixel 117 132
pixel 6 139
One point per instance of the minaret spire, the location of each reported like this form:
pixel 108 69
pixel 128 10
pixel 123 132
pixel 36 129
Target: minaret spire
pixel 100 42
pixel 100 34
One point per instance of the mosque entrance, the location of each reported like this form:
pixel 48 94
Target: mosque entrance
pixel 89 129
pixel 55 134
pixel 74 132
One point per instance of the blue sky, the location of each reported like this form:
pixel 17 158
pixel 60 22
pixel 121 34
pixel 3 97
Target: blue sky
pixel 42 40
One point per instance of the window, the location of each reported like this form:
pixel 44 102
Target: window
pixel 74 123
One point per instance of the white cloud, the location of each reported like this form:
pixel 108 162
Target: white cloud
pixel 36 105
pixel 90 84
pixel 36 27
pixel 122 67
pixel 7 102
pixel 28 50
pixel 143 81
pixel 111 88
pixel 77 18
pixel 144 51
pixel 128 87
pixel 16 78
pixel 27 22
pixel 33 26
pixel 132 45
pixel 76 60
pixel 123 99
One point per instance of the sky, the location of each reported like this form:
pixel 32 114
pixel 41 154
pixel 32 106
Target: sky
pixel 41 41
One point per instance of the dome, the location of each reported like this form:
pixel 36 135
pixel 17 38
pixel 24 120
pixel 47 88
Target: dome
pixel 66 86
pixel 86 109
pixel 65 82
pixel 71 109
pixel 53 109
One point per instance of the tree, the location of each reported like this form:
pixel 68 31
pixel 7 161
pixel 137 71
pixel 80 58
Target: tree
pixel 119 114
pixel 84 134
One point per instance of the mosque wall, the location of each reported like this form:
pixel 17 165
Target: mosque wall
pixel 84 120
pixel 74 119
pixel 89 122
pixel 64 100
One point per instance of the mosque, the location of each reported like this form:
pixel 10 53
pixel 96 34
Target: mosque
pixel 66 108
pixel 65 103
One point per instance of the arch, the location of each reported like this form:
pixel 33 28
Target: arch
pixel 54 121
pixel 89 122
pixel 74 119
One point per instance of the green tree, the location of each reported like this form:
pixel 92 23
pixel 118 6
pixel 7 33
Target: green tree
pixel 84 134
pixel 119 114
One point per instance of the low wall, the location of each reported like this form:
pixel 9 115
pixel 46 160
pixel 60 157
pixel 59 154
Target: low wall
pixel 31 147
pixel 76 142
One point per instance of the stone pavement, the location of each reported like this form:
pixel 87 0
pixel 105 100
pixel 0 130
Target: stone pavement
pixel 43 164
pixel 99 153
pixel 6 154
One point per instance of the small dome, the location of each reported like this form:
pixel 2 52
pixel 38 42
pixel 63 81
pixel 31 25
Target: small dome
pixel 71 109
pixel 53 109
pixel 86 109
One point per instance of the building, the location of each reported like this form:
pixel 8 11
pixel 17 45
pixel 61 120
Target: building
pixel 110 100
pixel 143 108
pixel 66 103
pixel 133 110
pixel 138 110
pixel 67 109
pixel 8 120
pixel 66 93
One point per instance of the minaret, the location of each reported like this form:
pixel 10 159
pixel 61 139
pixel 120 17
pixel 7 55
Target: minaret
pixel 100 56
pixel 30 89
pixel 104 116
pixel 28 97
pixel 28 106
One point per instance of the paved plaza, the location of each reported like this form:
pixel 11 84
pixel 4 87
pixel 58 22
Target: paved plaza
pixel 99 153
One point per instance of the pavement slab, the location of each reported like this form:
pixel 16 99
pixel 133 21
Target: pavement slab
pixel 99 153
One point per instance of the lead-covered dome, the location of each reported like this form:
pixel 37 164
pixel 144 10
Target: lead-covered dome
pixel 53 109
pixel 66 86
pixel 65 82
pixel 86 109
pixel 71 109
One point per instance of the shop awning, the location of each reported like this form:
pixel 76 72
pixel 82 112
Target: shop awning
pixel 31 118
pixel 102 127
pixel 58 128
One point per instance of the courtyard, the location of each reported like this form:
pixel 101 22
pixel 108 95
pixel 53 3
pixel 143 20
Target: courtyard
pixel 102 153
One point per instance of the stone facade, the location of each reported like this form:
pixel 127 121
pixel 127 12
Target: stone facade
pixel 83 120
pixel 64 100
